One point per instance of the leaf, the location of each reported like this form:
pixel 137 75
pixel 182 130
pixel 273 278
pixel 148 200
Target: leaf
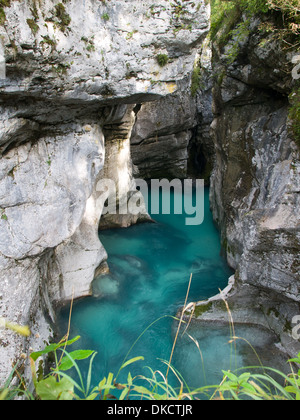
pixel 244 377
pixel 108 386
pixel 33 371
pixel 51 390
pixel 250 388
pixel 4 394
pixel 129 362
pixel 92 396
pixel 296 360
pixel 124 394
pixel 89 376
pixel 101 384
pixel 291 389
pixel 231 376
pixel 19 329
pixel 67 363
pixel 142 390
pixel 52 347
pixel 129 379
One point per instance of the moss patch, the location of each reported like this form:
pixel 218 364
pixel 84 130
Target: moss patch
pixel 60 17
pixel 33 26
pixel 196 80
pixel 201 309
pixel 162 59
pixel 294 115
pixel 2 16
pixel 64 19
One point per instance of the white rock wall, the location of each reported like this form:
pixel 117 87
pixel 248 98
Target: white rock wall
pixel 67 66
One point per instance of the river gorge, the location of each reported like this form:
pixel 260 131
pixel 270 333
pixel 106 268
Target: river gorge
pixel 141 90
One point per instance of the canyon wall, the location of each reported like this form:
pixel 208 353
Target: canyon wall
pixel 74 72
pixel 171 136
pixel 255 182
pixel 123 90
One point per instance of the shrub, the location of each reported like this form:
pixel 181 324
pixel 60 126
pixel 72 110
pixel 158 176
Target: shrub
pixel 33 26
pixel 226 14
pixel 162 59
pixel 105 17
pixel 294 115
pixel 59 385
pixel 196 80
pixel 64 19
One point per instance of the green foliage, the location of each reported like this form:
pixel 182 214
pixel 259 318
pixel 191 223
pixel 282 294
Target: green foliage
pixel 105 17
pixel 294 114
pixel 33 26
pixel 226 18
pixel 48 41
pixel 225 15
pixel 178 10
pixel 10 391
pixel 261 386
pixel 66 381
pixel 162 59
pixel 60 17
pixel 5 3
pixel 256 386
pixel 196 80
pixel 240 35
pixel 58 385
pixel 2 16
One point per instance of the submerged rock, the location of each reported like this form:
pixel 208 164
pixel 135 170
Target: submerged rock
pixel 105 286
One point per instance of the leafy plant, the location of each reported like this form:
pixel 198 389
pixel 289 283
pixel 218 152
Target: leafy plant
pixel 59 16
pixel 49 41
pixel 294 114
pixel 196 80
pixel 67 381
pixel 60 385
pixel 19 329
pixel 105 17
pixel 226 15
pixel 33 26
pixel 57 385
pixel 162 59
pixel 261 386
pixel 62 15
pixel 2 16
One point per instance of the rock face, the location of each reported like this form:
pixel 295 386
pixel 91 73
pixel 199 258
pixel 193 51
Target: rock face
pixel 161 136
pixel 119 169
pixel 256 182
pixel 170 138
pixel 74 71
pixel 77 107
pixel 93 51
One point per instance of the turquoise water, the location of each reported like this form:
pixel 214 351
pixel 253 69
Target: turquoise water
pixel 150 266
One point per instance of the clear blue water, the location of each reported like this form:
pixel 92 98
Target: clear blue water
pixel 150 266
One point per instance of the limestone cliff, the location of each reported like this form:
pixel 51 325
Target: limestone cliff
pixel 255 183
pixel 74 71
pixel 124 88
pixel 170 138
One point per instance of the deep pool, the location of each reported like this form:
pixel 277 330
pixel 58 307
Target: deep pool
pixel 150 266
